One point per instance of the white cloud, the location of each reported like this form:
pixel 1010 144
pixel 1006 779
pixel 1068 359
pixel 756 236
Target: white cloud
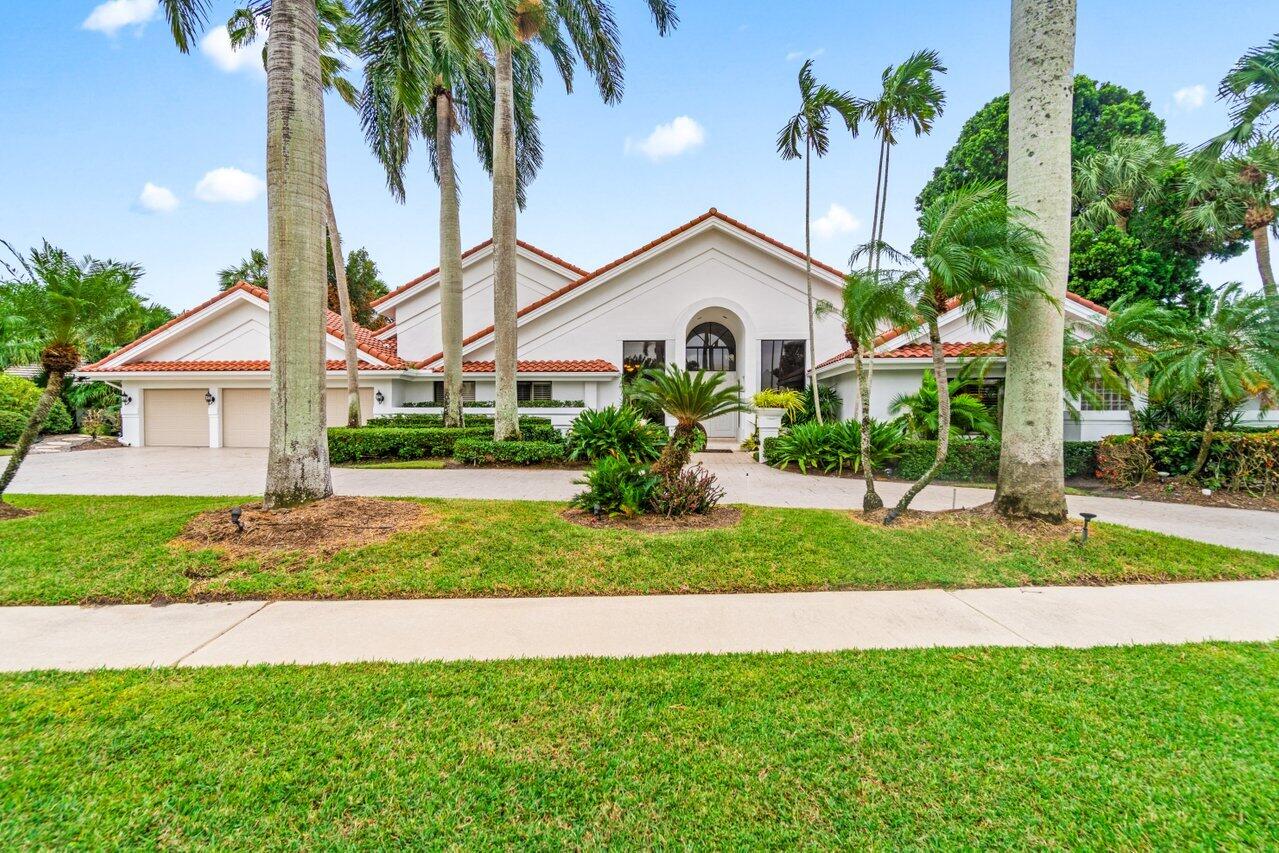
pixel 795 55
pixel 669 140
pixel 115 15
pixel 1190 97
pixel 157 199
pixel 229 185
pixel 836 220
pixel 216 45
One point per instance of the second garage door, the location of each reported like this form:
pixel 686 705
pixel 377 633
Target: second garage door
pixel 246 414
pixel 175 417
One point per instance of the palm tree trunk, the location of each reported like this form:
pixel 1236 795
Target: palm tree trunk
pixel 297 199
pixel 808 278
pixel 871 500
pixel 1031 476
pixel 348 323
pixel 1261 247
pixel 506 423
pixel 677 452
pixel 943 425
pixel 35 423
pixel 872 262
pixel 450 262
pixel 1205 444
pixel 883 203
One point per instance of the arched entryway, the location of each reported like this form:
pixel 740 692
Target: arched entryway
pixel 711 343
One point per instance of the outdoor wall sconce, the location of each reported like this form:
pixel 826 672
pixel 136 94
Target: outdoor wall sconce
pixel 126 399
pixel 209 398
pixel 379 396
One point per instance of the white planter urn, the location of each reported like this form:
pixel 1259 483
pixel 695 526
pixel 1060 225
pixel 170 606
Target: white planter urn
pixel 769 424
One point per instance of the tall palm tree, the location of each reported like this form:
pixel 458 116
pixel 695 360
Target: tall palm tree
pixel 1032 479
pixel 58 312
pixel 1112 183
pixel 1232 354
pixel 253 270
pixel 690 398
pixel 975 252
pixel 871 300
pixel 807 133
pixel 1114 355
pixel 909 94
pixel 569 30
pixel 1239 195
pixel 1252 89
pixel 339 38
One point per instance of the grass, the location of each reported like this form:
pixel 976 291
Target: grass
pixel 1157 747
pixel 432 464
pixel 6 451
pixel 116 549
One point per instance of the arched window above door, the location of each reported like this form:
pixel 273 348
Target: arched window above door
pixel 711 346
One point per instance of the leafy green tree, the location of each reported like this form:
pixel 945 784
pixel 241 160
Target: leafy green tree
pixel 1114 355
pixel 1112 183
pixel 1111 265
pixel 363 282
pixel 1232 354
pixel 807 133
pixel 690 398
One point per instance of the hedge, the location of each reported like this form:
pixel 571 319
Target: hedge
pixel 971 460
pixel 488 404
pixel 485 451
pixel 358 444
pixel 11 426
pixel 1237 460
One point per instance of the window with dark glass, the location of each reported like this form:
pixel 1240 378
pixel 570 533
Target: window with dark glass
pixel 638 356
pixel 468 392
pixel 711 346
pixel 528 392
pixel 781 364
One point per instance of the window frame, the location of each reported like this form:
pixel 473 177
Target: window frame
pixel 767 367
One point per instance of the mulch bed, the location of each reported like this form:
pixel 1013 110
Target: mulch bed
pixel 321 528
pixel 724 516
pixel 982 515
pixel 1176 490
pixel 103 443
pixel 8 511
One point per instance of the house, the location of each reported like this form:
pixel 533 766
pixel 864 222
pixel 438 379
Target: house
pixel 713 293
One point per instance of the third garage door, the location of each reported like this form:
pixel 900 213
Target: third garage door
pixel 246 413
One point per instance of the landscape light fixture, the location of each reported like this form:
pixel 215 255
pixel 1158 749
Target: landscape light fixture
pixel 1087 517
pixel 235 518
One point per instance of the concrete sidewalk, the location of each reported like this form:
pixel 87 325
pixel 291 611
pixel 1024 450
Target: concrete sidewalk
pixel 485 629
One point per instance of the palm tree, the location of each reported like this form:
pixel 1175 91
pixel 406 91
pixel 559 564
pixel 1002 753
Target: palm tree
pixel 1112 183
pixel 569 30
pixel 921 411
pixel 58 312
pixel 975 252
pixel 338 38
pixel 1239 195
pixel 1252 88
pixel 870 301
pixel 1113 355
pixel 1232 354
pixel 690 398
pixel 908 95
pixel 1032 479
pixel 806 134
pixel 254 270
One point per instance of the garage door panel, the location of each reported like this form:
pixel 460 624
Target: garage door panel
pixel 246 417
pixel 175 417
pixel 335 405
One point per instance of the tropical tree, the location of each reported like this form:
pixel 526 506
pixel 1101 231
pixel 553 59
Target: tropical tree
pixel 977 253
pixel 690 398
pixel 871 300
pixel 1232 354
pixel 909 95
pixel 55 313
pixel 363 281
pixel 1252 89
pixel 1114 355
pixel 1112 183
pixel 806 134
pixel 1032 480
pixel 338 39
pixel 1239 195
pixel 920 411
pixel 253 270
pixel 569 30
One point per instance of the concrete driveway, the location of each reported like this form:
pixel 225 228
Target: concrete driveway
pixel 201 471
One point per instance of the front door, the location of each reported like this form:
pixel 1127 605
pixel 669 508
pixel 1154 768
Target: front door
pixel 712 347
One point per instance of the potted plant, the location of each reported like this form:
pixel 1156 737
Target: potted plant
pixel 771 405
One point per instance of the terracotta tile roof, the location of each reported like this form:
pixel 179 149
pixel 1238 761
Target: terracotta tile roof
pixel 365 340
pixel 471 251
pixel 576 365
pixel 336 364
pixel 964 349
pixel 713 213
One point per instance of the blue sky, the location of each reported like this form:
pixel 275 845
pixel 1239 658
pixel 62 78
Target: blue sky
pixel 97 108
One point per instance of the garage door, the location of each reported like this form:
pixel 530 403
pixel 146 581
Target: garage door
pixel 175 417
pixel 246 414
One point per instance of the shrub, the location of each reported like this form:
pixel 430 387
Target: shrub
pixel 778 398
pixel 98 422
pixel 59 420
pixel 11 426
pixel 804 446
pixel 531 428
pixel 614 431
pixel 616 486
pixel 356 444
pixel 692 490
pixel 488 404
pixel 21 395
pixel 1247 461
pixel 977 460
pixel 832 405
pixel 485 451
pixel 835 446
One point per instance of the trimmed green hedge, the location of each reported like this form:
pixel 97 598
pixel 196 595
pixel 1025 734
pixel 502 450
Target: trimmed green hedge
pixel 485 451
pixel 1236 459
pixel 359 444
pixel 424 420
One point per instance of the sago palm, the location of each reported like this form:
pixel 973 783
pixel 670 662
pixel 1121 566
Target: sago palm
pixel 1111 184
pixel 57 313
pixel 690 398
pixel 871 301
pixel 1229 356
pixel 975 252
pixel 1113 355
pixel 807 133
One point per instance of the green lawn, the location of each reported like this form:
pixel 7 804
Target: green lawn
pixel 1159 747
pixel 6 451
pixel 431 464
pixel 113 549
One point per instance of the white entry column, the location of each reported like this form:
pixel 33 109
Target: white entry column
pixel 215 416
